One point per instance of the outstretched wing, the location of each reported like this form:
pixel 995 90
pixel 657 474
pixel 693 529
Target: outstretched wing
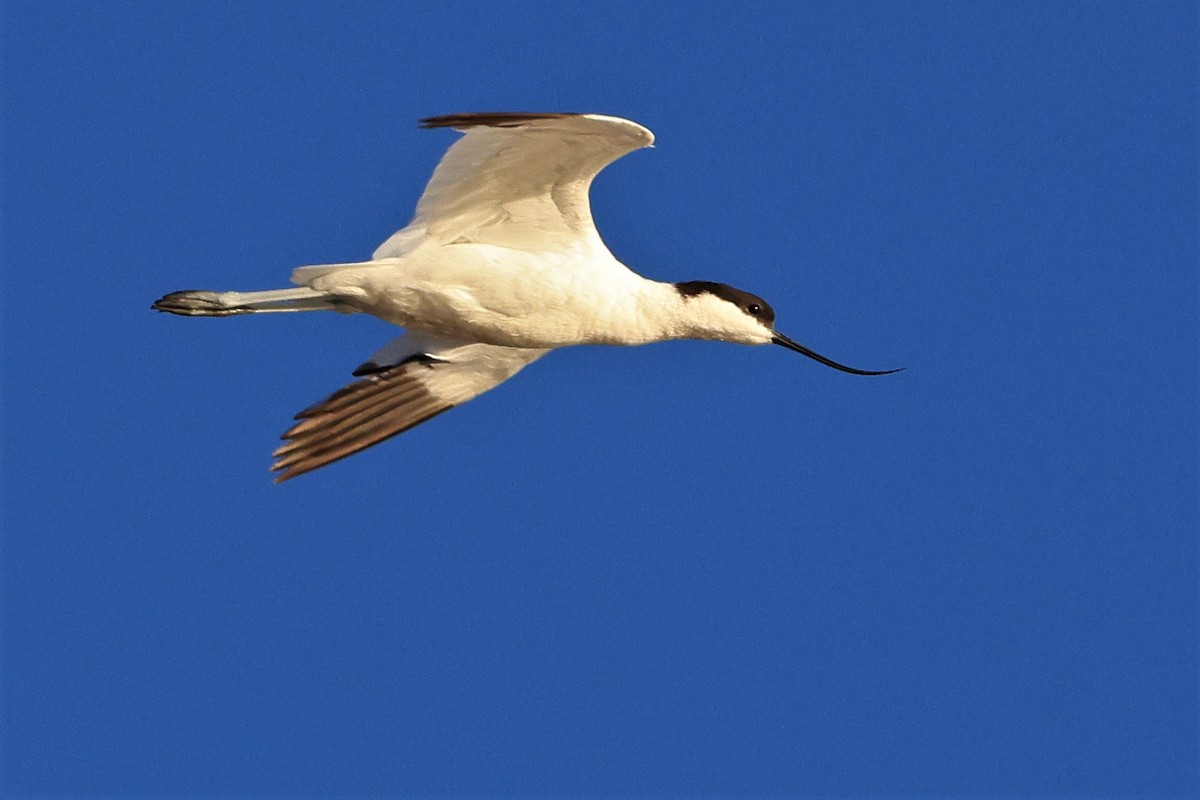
pixel 413 379
pixel 516 180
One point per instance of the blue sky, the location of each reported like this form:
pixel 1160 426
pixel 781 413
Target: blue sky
pixel 679 569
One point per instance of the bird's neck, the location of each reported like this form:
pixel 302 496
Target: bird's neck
pixel 661 313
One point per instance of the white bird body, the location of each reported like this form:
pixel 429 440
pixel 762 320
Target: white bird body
pixel 500 264
pixel 514 298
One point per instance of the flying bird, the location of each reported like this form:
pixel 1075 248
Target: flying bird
pixel 501 264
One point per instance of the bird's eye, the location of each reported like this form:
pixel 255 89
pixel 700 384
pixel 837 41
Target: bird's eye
pixel 754 308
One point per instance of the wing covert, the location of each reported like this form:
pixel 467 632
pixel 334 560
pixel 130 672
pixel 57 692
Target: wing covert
pixel 516 179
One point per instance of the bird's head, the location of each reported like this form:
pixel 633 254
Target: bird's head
pixel 721 312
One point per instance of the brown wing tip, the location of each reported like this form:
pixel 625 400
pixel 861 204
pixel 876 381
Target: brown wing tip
pixel 491 119
pixel 295 459
pixel 357 416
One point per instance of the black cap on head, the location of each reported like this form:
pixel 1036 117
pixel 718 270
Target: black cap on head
pixel 750 304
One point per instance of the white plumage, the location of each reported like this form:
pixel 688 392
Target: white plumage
pixel 500 264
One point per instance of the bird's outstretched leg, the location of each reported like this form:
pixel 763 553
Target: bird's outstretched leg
pixel 199 303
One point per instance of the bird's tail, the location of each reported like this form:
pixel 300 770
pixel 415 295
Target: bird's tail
pixel 196 303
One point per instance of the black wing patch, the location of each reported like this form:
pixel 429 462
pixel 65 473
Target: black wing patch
pixel 359 415
pixel 491 119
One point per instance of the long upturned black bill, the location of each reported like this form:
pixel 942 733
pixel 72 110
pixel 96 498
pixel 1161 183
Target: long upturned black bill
pixel 779 338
